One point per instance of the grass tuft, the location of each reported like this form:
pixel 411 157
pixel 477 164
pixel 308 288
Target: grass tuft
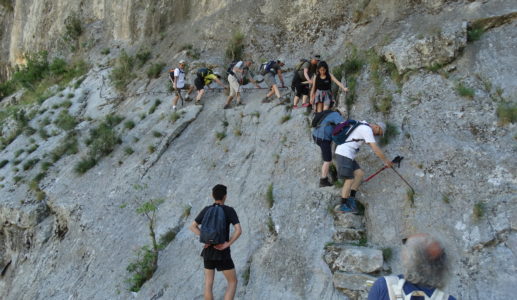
pixel 391 132
pixel 155 70
pixel 507 113
pixel 270 200
pixel 285 119
pixel 478 211
pixel 175 116
pixel 142 268
pixel 235 48
pixel 157 134
pixel 85 164
pixel 129 124
pixel 155 105
pixel 129 150
pixel 220 135
pixel 65 121
pixel 410 196
pixel 465 91
pixel 387 254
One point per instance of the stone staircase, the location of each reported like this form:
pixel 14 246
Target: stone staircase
pixel 354 265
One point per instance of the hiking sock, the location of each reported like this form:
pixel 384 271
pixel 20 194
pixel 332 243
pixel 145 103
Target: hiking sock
pixel 352 193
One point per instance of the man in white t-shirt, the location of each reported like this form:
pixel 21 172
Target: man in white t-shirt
pixel 177 77
pixel 238 76
pixel 348 169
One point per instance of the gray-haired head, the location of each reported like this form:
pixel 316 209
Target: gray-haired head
pixel 424 261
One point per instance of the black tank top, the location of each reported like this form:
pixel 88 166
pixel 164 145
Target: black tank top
pixel 323 84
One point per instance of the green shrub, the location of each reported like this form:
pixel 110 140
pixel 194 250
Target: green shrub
pixel 235 48
pixel 46 165
pixel 105 51
pixel 43 133
pixel 155 105
pixel 474 32
pixel 174 117
pixel 151 149
pixel 157 134
pixel 285 119
pixel 129 150
pixel 382 104
pixel 270 199
pixel 32 148
pixel 155 70
pixel 65 121
pixel 478 210
pixel 66 104
pixel 30 163
pixel 220 135
pixel 142 269
pixel 129 124
pixel 18 152
pixel 464 90
pixel 17 179
pixel 507 113
pixel 186 211
pixel 122 73
pixel 142 56
pixel 113 120
pixel 16 162
pixel 167 238
pixel 391 132
pixel 3 163
pixel 68 146
pixel 73 27
pixel 70 95
pixel 103 140
pixel 85 164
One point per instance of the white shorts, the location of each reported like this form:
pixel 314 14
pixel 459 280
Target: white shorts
pixel 235 87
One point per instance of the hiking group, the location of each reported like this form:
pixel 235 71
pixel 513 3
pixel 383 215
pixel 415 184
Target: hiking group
pixel 423 257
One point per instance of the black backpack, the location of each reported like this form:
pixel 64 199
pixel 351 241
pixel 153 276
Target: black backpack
pixel 213 226
pixel 230 67
pixel 203 72
pixel 266 67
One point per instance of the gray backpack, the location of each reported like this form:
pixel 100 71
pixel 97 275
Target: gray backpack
pixel 213 226
pixel 396 291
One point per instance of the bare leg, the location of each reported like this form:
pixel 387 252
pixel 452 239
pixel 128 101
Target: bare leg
pixel 296 98
pixel 209 282
pixel 352 183
pixel 270 93
pixel 319 107
pixel 175 100
pixel 190 90
pixel 277 91
pixel 229 100
pixel 325 169
pixel 238 98
pixel 200 94
pixel 304 99
pixel 231 278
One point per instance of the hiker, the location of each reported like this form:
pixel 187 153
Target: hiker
pixel 323 124
pixel 218 256
pixel 269 70
pixel 425 268
pixel 204 77
pixel 348 169
pixel 321 94
pixel 177 77
pixel 239 75
pixel 302 79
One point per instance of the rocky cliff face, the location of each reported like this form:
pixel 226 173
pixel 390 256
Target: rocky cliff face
pixel 73 236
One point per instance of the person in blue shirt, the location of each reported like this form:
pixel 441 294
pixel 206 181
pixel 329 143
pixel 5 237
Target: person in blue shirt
pixel 323 124
pixel 425 272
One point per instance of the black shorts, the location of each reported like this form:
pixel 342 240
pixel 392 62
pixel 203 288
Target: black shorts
pixel 220 265
pixel 346 167
pixel 326 149
pixel 199 83
pixel 299 88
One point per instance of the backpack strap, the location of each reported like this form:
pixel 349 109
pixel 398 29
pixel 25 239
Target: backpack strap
pixel 395 287
pixel 439 295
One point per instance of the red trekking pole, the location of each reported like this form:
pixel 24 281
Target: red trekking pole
pixel 396 160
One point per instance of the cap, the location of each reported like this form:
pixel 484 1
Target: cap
pixel 382 125
pixel 316 57
pixel 182 61
pixel 280 59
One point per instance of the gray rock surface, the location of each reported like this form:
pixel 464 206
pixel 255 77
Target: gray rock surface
pixel 359 259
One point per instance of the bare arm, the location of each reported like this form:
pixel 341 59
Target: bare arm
pixel 380 154
pixel 338 83
pixel 236 234
pixel 279 72
pixel 220 83
pixel 195 228
pixel 306 74
pixel 313 89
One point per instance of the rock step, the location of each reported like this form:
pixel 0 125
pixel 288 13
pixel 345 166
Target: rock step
pixel 353 281
pixel 354 259
pixel 345 234
pixel 349 221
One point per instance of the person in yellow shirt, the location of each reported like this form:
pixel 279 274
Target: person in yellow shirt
pixel 204 77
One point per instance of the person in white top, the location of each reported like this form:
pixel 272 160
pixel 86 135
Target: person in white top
pixel 238 76
pixel 348 169
pixel 177 77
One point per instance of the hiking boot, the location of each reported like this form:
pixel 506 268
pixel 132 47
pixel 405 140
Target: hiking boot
pixel 188 99
pixel 198 102
pixel 239 103
pixel 355 205
pixel 226 106
pixel 324 182
pixel 343 208
pixel 305 104
pixel 266 100
pixel 295 106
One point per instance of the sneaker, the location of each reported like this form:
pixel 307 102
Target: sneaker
pixel 324 182
pixel 343 208
pixel 295 106
pixel 226 106
pixel 188 99
pixel 305 104
pixel 355 205
pixel 266 100
pixel 239 103
pixel 198 102
pixel 174 108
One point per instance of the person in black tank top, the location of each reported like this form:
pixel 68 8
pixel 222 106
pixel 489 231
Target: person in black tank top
pixel 321 94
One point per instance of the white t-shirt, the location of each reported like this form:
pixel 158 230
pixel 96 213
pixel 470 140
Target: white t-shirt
pixel 181 77
pixel 363 133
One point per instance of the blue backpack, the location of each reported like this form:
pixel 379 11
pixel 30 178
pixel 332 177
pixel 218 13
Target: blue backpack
pixel 266 67
pixel 343 130
pixel 213 226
